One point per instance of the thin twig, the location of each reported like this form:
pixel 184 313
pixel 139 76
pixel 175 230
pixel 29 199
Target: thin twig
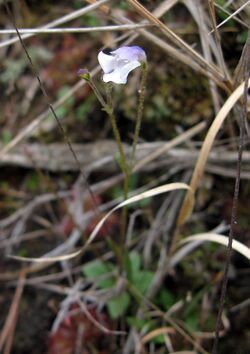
pixel 71 16
pixel 77 29
pixel 231 16
pixel 6 336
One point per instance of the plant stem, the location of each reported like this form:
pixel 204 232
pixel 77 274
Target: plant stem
pixel 144 69
pixel 108 108
pixel 123 160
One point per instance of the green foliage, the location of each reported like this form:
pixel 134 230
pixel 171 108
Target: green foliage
pixel 90 20
pixel 83 110
pixel 40 55
pixel 32 182
pixel 104 276
pixel 117 191
pixel 221 2
pixel 118 305
pixel 123 5
pixel 12 70
pixel 142 280
pixel 138 323
pixel 62 92
pixel 165 299
pixel 223 15
pixel 63 110
pixel 135 260
pixel 158 110
pixel 77 4
pixel 145 325
pixel 6 136
pixel 99 272
pixel 192 320
pixel 22 252
pixel 242 37
pixel 159 339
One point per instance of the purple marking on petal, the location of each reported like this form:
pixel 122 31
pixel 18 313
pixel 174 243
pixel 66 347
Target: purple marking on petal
pixel 130 53
pixel 82 72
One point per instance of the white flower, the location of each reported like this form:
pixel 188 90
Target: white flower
pixel 118 64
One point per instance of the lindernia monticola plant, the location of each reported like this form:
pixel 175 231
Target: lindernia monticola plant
pixel 116 66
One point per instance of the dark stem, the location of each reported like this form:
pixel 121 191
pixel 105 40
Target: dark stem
pixel 233 223
pixel 142 89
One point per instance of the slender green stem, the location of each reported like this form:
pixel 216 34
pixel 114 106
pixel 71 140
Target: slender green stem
pixel 144 69
pixel 107 105
pixel 98 94
pixel 108 108
pixel 123 160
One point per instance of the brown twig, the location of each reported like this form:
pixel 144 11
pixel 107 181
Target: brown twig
pixel 7 334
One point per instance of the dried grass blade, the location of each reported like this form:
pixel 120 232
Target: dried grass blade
pixel 222 240
pixel 6 335
pixel 176 39
pixel 149 193
pixel 187 205
pixel 232 15
pixel 69 17
pixel 157 332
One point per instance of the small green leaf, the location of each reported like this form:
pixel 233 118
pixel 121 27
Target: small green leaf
pixel 128 266
pixel 90 20
pixel 77 4
pixel 158 339
pixel 142 280
pixel 166 299
pixel 61 112
pixel 135 260
pixel 12 70
pixel 97 269
pixel 123 5
pixel 32 182
pixel 118 305
pixel 62 92
pixel 85 108
pixel 192 321
pixel 138 323
pixel 6 136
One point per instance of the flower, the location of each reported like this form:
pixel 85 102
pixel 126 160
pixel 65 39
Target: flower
pixel 84 74
pixel 118 63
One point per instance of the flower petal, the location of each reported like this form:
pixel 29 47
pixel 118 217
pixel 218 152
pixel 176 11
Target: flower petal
pixel 120 74
pixel 130 53
pixel 114 77
pixel 107 62
pixel 125 70
pixel 118 64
